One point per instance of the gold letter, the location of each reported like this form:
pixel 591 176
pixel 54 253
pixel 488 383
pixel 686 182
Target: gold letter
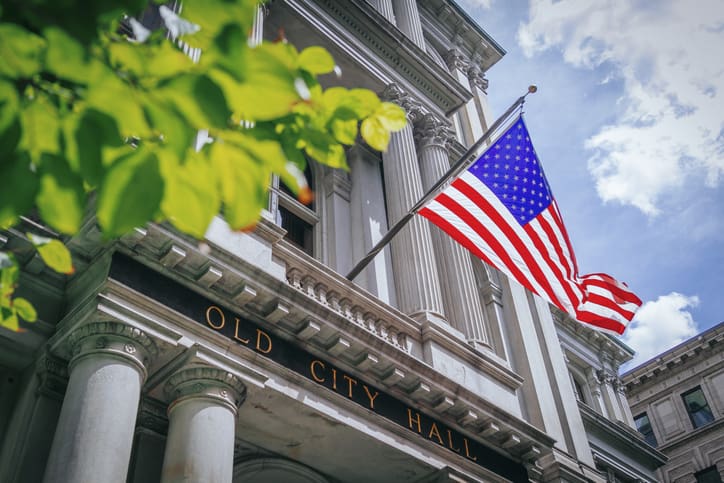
pixel 450 443
pixel 409 419
pixel 467 451
pixel 236 332
pixel 208 317
pixel 350 381
pixel 334 379
pixel 434 430
pixel 314 374
pixel 259 333
pixel 370 396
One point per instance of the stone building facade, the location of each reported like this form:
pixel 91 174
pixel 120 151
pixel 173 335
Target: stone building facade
pixel 677 399
pixel 251 358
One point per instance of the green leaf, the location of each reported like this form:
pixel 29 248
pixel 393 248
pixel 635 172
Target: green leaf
pixel 16 197
pixel 213 15
pixel 53 252
pixel 118 100
pixel 9 274
pixel 362 101
pixel 41 127
pixel 191 197
pixel 61 198
pixel 91 141
pixel 66 57
pixel 199 99
pixel 391 116
pixel 9 120
pixel 25 309
pixel 9 319
pixel 344 127
pixel 131 192
pixel 167 123
pixel 375 134
pixel 21 52
pixel 322 147
pixel 243 184
pixel 316 60
pixel 229 52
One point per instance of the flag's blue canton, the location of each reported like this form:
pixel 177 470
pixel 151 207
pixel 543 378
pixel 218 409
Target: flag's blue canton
pixel 511 170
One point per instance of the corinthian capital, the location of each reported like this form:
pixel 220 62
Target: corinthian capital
pixel 431 130
pixel 394 93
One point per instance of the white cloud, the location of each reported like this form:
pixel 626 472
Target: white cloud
pixel 660 325
pixel 471 4
pixel 666 54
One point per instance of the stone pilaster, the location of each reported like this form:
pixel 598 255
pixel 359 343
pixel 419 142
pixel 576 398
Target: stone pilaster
pixel 413 259
pixel 479 88
pixel 385 8
pixel 94 435
pixel 407 17
pixel 202 420
pixel 459 291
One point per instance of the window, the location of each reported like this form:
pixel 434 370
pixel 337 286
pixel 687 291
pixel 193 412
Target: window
pixel 708 475
pixel 696 406
pixel 644 427
pixel 579 391
pixel 297 219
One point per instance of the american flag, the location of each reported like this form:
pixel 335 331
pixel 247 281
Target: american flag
pixel 502 210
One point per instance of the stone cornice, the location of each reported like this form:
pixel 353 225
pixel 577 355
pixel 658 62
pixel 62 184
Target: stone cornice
pixel 697 348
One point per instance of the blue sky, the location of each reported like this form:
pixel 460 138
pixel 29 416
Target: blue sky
pixel 629 125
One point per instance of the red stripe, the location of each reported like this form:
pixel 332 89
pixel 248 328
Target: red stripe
pixel 555 241
pixel 609 304
pixel 598 321
pixel 543 251
pixel 456 234
pixel 614 289
pixel 559 223
pixel 473 195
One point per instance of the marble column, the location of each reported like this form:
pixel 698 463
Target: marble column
pixel 202 420
pixel 385 8
pixel 94 435
pixel 413 259
pixel 461 299
pixel 408 20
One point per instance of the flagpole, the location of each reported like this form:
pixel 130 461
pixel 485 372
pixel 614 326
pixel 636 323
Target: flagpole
pixel 454 170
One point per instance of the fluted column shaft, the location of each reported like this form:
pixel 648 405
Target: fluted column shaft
pixel 202 420
pixel 461 298
pixel 407 17
pixel 413 259
pixel 94 436
pixel 385 8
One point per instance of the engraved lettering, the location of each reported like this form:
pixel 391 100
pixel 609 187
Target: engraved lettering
pixel 334 379
pixel 370 396
pixel 350 382
pixel 410 420
pixel 260 334
pixel 314 373
pixel 220 325
pixel 467 450
pixel 236 332
pixel 450 442
pixel 434 431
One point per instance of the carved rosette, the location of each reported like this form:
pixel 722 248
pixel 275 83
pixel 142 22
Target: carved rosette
pixel 477 78
pixel 216 385
pixel 395 94
pixel 432 130
pixel 112 338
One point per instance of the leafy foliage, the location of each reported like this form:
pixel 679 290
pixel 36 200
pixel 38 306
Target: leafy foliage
pixel 91 99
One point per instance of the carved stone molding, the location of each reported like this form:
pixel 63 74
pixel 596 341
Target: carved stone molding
pixel 456 60
pixel 477 78
pixel 413 108
pixel 52 374
pixel 431 130
pixel 112 338
pixel 208 383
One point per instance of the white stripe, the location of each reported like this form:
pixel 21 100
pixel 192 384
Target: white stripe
pixel 500 236
pixel 630 306
pixel 555 259
pixel 603 312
